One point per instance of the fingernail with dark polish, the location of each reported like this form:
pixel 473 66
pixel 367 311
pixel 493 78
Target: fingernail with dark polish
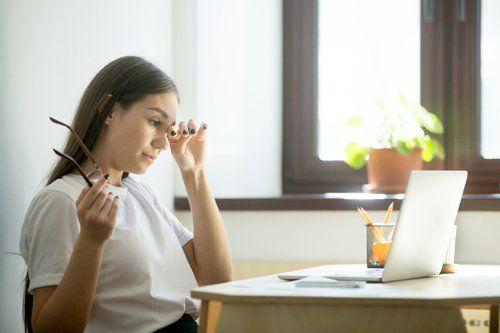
pixel 185 132
pixel 110 193
pixel 173 133
pixel 192 131
pixel 205 126
pixel 117 197
pixel 106 176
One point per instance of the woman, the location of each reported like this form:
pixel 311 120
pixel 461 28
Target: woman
pixel 109 257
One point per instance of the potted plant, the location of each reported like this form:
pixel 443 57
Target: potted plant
pixel 393 140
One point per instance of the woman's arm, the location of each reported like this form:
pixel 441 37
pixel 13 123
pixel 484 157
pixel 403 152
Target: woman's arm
pixel 209 248
pixel 208 252
pixel 66 308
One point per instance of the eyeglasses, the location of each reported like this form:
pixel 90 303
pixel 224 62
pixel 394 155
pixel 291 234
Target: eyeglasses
pixel 94 174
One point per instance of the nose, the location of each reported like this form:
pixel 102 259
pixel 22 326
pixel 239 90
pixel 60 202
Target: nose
pixel 161 141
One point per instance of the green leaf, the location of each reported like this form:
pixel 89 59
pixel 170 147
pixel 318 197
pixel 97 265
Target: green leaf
pixel 405 146
pixel 356 155
pixel 430 121
pixel 421 141
pixel 403 100
pixel 427 154
pixel 380 104
pixel 357 161
pixel 427 149
pixel 352 146
pixel 439 149
pixel 355 121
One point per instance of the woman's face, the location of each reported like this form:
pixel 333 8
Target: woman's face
pixel 134 137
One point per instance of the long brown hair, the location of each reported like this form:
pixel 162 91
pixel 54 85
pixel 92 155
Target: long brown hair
pixel 128 80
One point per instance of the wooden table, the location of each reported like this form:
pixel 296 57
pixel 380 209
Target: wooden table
pixel 267 304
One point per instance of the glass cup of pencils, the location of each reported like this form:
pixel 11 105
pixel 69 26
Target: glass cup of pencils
pixel 378 238
pixel 378 243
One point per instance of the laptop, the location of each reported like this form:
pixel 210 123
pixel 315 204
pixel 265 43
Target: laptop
pixel 422 234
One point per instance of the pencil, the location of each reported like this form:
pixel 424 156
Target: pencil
pixel 364 215
pixel 388 214
pixel 366 219
pixel 391 234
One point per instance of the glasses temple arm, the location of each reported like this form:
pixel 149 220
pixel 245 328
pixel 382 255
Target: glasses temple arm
pixel 80 142
pixel 72 160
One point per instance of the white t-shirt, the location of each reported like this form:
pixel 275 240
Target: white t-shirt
pixel 145 278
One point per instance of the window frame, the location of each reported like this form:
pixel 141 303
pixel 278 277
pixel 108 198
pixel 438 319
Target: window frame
pixel 450 69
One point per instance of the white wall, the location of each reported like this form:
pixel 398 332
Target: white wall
pixel 49 51
pixel 340 236
pixel 228 68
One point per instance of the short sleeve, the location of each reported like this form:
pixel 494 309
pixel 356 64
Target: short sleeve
pixel 182 233
pixel 48 236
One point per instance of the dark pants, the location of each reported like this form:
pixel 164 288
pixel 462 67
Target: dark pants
pixel 185 324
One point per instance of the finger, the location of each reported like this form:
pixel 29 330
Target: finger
pixel 82 194
pixel 184 137
pixel 114 209
pixel 183 130
pixel 172 135
pixel 93 192
pixel 89 197
pixel 100 200
pixel 202 132
pixel 104 212
pixel 191 127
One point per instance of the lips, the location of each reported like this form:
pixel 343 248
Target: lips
pixel 152 157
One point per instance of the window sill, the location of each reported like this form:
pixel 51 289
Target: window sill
pixel 336 201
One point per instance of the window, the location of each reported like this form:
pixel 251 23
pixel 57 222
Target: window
pixel 451 54
pixel 490 79
pixel 371 59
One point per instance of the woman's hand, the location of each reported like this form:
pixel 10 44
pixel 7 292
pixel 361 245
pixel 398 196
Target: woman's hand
pixel 97 209
pixel 188 146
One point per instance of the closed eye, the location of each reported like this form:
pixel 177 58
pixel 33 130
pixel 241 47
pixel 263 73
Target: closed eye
pixel 154 123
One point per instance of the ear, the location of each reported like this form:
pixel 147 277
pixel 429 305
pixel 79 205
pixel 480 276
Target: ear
pixel 111 114
pixel 104 101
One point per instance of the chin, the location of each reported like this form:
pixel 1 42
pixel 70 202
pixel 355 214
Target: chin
pixel 138 170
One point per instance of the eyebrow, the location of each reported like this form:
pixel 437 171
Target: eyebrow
pixel 163 114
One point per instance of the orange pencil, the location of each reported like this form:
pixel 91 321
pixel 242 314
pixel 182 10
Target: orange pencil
pixel 381 237
pixel 364 215
pixel 388 214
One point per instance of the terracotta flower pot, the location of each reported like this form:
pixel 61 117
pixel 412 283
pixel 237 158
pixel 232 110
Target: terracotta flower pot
pixel 388 170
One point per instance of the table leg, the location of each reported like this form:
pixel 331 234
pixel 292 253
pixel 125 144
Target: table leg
pixel 494 317
pixel 209 315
